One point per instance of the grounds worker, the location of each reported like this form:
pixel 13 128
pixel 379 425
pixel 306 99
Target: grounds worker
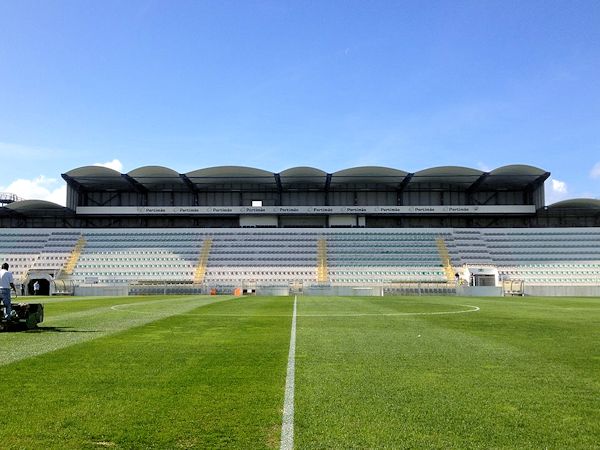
pixel 6 284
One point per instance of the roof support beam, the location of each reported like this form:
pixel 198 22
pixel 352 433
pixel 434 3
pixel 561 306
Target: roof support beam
pixel 529 193
pixel 278 182
pixel 107 201
pixel 81 194
pixel 139 188
pixel 407 178
pixel 402 187
pixel 135 184
pixel 538 181
pixel 191 186
pixel 475 187
pixel 492 195
pixel 327 186
pixel 279 187
pixel 478 182
pixel 72 182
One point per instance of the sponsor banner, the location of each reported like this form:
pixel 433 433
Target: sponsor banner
pixel 312 210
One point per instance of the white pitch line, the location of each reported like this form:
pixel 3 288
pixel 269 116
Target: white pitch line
pixel 287 424
pixel 431 313
pixel 122 307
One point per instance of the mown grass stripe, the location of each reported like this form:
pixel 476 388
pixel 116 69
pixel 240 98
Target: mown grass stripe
pixel 64 330
pixel 517 374
pixel 287 426
pixel 183 382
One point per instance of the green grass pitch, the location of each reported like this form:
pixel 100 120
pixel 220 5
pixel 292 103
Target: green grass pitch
pixel 378 372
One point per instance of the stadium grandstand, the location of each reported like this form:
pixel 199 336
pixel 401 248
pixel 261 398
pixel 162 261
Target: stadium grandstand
pixel 363 230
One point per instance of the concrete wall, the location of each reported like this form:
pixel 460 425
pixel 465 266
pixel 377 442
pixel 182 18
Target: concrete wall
pixel 273 291
pixel 343 291
pixel 349 291
pixel 99 290
pixel 479 291
pixel 562 291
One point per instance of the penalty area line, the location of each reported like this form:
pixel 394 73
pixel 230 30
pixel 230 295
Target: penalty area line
pixel 287 423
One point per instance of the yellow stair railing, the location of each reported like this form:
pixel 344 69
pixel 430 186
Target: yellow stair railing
pixel 445 257
pixel 322 269
pixel 74 258
pixel 203 261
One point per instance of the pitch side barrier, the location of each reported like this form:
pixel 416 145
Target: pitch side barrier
pixel 374 290
pixel 420 289
pixel 415 289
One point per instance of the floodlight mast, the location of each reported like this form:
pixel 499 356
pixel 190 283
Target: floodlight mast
pixel 7 198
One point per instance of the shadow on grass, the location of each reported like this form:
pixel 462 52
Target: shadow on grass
pixel 59 330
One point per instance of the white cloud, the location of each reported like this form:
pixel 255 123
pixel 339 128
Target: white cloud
pixel 115 164
pixel 483 166
pixel 595 172
pixel 558 190
pixel 40 188
pixel 559 187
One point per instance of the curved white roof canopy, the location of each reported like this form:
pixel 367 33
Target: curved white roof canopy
pixel 514 176
pixel 97 177
pixel 368 175
pixel 577 203
pixel 36 207
pixel 231 175
pixel 303 176
pixel 157 176
pixel 455 175
pixel 24 205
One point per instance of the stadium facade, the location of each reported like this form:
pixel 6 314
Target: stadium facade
pixel 363 229
pixel 372 197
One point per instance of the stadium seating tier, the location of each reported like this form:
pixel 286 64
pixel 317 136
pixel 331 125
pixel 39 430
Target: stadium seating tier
pixel 284 256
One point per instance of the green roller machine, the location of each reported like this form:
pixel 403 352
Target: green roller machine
pixel 25 316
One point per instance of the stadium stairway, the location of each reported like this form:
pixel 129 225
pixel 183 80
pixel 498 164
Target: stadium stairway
pixel 203 261
pixel 74 257
pixel 446 260
pixel 322 269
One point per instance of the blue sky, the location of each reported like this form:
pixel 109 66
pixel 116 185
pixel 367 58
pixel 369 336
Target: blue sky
pixel 276 84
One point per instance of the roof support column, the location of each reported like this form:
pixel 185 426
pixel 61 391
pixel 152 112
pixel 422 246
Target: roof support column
pixel 279 188
pixel 139 188
pixel 402 187
pixel 192 187
pixel 327 186
pixel 474 187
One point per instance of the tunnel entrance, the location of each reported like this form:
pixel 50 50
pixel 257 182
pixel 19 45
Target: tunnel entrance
pixel 44 286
